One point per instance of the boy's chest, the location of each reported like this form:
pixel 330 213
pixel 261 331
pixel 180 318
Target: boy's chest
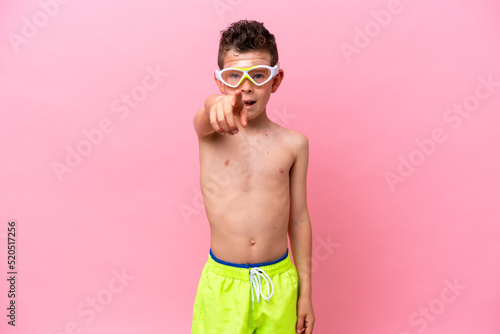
pixel 263 156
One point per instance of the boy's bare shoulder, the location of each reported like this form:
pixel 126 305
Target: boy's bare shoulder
pixel 296 140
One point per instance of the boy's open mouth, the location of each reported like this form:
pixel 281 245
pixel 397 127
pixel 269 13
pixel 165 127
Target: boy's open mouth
pixel 248 103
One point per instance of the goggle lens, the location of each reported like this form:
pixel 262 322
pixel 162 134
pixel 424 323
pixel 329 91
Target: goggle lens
pixel 259 75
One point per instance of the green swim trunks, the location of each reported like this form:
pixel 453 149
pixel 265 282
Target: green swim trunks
pixel 246 298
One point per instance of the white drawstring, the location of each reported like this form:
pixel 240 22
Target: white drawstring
pixel 255 284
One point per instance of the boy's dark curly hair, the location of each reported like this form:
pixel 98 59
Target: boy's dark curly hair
pixel 244 36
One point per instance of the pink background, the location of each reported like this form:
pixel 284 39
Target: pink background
pixel 384 255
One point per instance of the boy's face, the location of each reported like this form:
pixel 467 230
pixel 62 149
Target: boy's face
pixel 250 91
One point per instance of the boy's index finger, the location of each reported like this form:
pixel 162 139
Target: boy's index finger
pixel 244 116
pixel 238 99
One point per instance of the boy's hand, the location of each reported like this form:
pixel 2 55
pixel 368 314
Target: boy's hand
pixel 224 110
pixel 305 316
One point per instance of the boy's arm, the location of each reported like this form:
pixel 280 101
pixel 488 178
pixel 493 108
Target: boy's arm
pixel 201 120
pixel 300 233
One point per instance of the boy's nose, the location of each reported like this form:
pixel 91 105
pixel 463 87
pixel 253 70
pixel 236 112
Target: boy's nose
pixel 246 85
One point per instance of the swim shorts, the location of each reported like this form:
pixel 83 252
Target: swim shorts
pixel 246 298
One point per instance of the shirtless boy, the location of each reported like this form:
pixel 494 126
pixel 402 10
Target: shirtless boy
pixel 253 182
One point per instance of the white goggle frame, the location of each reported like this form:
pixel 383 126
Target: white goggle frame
pixel 274 70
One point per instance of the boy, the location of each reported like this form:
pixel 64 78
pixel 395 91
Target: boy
pixel 253 180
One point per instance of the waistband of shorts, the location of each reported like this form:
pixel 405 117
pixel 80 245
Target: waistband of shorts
pixel 241 271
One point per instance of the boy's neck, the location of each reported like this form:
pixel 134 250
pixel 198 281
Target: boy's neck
pixel 257 124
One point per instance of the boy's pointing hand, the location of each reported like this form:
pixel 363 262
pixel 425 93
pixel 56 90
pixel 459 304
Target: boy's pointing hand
pixel 239 108
pixel 223 111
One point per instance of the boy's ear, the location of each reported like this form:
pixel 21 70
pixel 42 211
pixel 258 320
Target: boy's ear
pixel 220 84
pixel 277 80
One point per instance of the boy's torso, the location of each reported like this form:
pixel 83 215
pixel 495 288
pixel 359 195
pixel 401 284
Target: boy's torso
pixel 245 183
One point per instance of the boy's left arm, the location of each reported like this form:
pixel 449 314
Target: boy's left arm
pixel 300 233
